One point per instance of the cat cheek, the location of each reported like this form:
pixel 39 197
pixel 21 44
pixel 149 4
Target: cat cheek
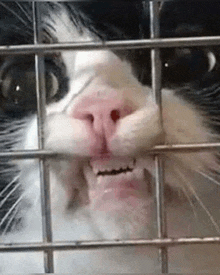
pixel 70 178
pixel 76 197
pixel 146 132
pixel 66 136
pixel 76 187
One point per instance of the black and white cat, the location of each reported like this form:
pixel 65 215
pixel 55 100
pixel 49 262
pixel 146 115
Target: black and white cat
pixel 101 114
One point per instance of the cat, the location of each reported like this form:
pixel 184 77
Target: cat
pixel 101 116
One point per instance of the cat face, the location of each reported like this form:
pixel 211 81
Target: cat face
pixel 109 119
pixel 101 116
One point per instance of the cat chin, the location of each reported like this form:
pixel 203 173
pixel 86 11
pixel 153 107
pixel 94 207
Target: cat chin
pixel 125 219
pixel 110 200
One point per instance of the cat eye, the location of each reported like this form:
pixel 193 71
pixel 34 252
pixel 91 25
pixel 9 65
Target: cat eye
pixel 18 83
pixel 182 65
pixel 18 87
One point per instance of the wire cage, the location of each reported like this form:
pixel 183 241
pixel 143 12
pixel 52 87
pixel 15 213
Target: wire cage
pixel 163 242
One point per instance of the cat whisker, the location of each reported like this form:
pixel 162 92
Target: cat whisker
pixel 209 177
pixel 9 185
pixel 24 11
pixel 7 171
pixel 10 221
pixel 9 194
pixel 192 190
pixel 205 209
pixel 184 189
pixel 19 200
pixel 16 15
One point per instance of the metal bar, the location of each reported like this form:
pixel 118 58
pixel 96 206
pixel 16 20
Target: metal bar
pixel 156 88
pixel 120 45
pixel 27 154
pixel 173 148
pixel 83 245
pixel 41 114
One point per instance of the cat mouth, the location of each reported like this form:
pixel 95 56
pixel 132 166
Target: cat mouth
pixel 108 183
pixel 117 179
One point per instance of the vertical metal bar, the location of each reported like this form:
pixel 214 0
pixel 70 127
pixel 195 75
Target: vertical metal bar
pixel 41 112
pixel 156 87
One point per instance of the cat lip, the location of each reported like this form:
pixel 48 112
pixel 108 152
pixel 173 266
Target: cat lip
pixel 118 188
pixel 116 194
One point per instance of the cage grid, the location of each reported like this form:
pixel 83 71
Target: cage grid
pixel 154 43
pixel 156 89
pixel 44 172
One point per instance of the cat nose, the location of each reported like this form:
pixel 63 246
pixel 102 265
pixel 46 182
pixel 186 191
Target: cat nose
pixel 102 116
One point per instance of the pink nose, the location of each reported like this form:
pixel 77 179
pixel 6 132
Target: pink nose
pixel 102 115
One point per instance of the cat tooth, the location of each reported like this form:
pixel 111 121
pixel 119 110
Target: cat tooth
pixel 95 170
pixel 117 164
pixel 123 166
pixel 132 163
pixel 102 169
pixel 98 168
pixel 114 164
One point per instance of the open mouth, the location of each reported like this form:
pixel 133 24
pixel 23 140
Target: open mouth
pixel 120 177
pixel 108 184
pixel 119 184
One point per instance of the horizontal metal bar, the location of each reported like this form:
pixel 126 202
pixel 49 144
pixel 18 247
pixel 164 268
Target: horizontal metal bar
pixel 83 245
pixel 125 44
pixel 183 148
pixel 27 154
pixel 81 0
